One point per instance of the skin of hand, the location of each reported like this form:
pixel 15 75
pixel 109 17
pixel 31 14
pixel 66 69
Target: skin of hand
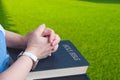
pixel 53 39
pixel 37 44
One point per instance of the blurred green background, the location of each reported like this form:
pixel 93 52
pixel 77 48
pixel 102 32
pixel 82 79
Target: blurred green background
pixel 92 25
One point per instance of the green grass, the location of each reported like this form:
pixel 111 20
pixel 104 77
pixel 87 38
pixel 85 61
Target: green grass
pixel 92 25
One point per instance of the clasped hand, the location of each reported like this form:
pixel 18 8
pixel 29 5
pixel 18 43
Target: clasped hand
pixel 42 42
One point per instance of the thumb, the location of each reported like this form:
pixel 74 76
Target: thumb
pixel 40 29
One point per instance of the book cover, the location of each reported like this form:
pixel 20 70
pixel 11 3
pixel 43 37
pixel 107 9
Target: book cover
pixel 66 61
pixel 75 77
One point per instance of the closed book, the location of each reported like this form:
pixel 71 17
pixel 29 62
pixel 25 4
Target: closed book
pixel 74 77
pixel 66 61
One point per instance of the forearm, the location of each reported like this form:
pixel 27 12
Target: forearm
pixel 14 40
pixel 19 70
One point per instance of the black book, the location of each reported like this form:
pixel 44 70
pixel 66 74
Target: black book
pixel 66 61
pixel 74 77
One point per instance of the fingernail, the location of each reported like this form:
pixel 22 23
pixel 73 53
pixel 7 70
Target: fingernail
pixel 53 43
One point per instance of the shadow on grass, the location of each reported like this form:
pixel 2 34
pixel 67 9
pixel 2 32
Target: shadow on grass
pixel 5 19
pixel 103 1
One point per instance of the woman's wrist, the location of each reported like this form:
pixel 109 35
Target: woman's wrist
pixel 31 56
pixel 27 60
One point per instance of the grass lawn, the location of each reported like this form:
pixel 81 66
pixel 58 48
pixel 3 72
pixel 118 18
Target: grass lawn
pixel 92 25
